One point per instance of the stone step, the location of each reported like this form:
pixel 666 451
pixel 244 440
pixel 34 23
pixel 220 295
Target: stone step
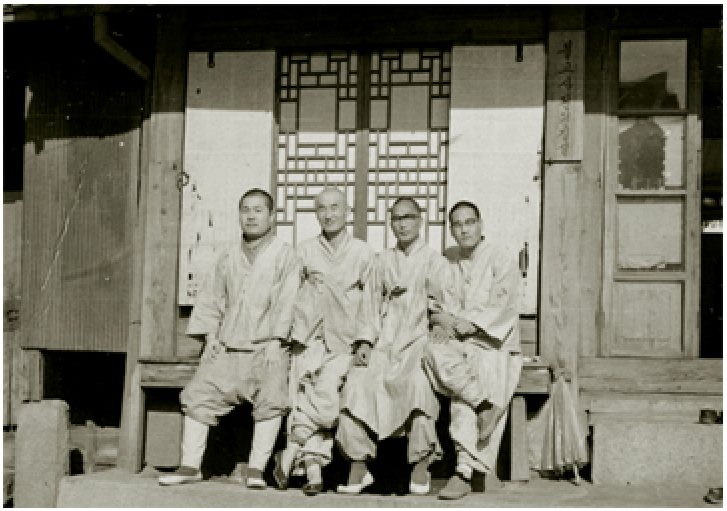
pixel 643 451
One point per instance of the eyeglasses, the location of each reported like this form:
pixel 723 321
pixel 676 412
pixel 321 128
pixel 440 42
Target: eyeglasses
pixel 401 218
pixel 469 223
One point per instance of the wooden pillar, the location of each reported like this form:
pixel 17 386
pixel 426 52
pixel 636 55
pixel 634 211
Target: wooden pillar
pixel 156 234
pixel 560 300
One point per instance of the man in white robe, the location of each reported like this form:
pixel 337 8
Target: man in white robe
pixel 335 321
pixel 476 360
pixel 244 312
pixel 392 396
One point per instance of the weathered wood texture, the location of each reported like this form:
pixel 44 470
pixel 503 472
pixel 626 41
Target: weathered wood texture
pixel 563 225
pixel 626 375
pixel 228 141
pixel 590 192
pixel 12 228
pixel 152 304
pixel 83 111
pixel 496 94
pixel 166 148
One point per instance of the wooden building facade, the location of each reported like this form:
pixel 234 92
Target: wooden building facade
pixel 591 138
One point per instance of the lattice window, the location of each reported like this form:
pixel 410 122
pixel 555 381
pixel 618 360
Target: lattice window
pixel 408 138
pixel 406 97
pixel 317 140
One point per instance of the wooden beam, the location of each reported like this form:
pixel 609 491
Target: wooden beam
pixel 630 376
pixel 156 227
pixel 166 149
pixel 561 225
pixel 103 38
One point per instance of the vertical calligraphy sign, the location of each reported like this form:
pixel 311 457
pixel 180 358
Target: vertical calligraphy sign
pixel 564 113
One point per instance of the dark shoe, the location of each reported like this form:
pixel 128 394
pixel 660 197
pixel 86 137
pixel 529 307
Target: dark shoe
pixel 281 478
pixel 456 488
pixel 714 496
pixel 312 489
pixel 181 476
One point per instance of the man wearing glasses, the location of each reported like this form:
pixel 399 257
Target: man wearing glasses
pixel 392 396
pixel 475 357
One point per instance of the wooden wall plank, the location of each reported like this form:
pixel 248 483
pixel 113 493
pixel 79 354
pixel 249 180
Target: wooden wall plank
pixel 83 108
pixel 635 375
pixel 590 192
pixel 166 149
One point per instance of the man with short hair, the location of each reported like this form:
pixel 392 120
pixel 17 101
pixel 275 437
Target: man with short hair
pixel 475 358
pixel 392 396
pixel 335 321
pixel 244 313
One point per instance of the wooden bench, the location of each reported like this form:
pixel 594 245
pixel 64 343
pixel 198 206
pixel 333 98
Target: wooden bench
pixel 174 373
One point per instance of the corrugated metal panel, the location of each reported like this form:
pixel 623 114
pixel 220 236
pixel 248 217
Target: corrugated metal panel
pixel 81 152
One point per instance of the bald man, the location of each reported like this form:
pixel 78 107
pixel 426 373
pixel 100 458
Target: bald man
pixel 335 323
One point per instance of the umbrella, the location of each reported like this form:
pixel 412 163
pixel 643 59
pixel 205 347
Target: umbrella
pixel 564 445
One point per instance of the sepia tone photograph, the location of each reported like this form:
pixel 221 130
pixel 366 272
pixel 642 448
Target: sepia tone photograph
pixel 362 255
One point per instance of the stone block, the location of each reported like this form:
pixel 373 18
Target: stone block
pixel 641 452
pixel 41 453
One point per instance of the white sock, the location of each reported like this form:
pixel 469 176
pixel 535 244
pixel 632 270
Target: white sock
pixel 465 470
pixel 288 456
pixel 313 471
pixel 264 434
pixel 194 442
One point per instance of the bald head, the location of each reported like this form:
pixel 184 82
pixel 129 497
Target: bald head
pixel 331 195
pixel 331 211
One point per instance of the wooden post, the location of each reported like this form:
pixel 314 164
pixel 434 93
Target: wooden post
pixel 156 234
pixel 560 302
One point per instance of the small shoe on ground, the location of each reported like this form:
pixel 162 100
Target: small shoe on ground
pixel 358 478
pixel 714 496
pixel 420 479
pixel 456 488
pixel 181 476
pixel 281 478
pixel 255 479
pixel 312 489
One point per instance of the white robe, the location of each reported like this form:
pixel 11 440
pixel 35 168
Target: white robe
pixel 487 292
pixel 384 394
pixel 242 302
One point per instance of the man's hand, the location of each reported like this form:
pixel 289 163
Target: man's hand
pixel 439 335
pixel 212 348
pixel 464 328
pixel 271 353
pixel 362 354
pixel 445 322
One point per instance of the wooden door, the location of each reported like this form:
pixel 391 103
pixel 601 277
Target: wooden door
pixel 652 176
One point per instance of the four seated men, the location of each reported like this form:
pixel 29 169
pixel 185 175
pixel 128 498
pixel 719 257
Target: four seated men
pixel 354 345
